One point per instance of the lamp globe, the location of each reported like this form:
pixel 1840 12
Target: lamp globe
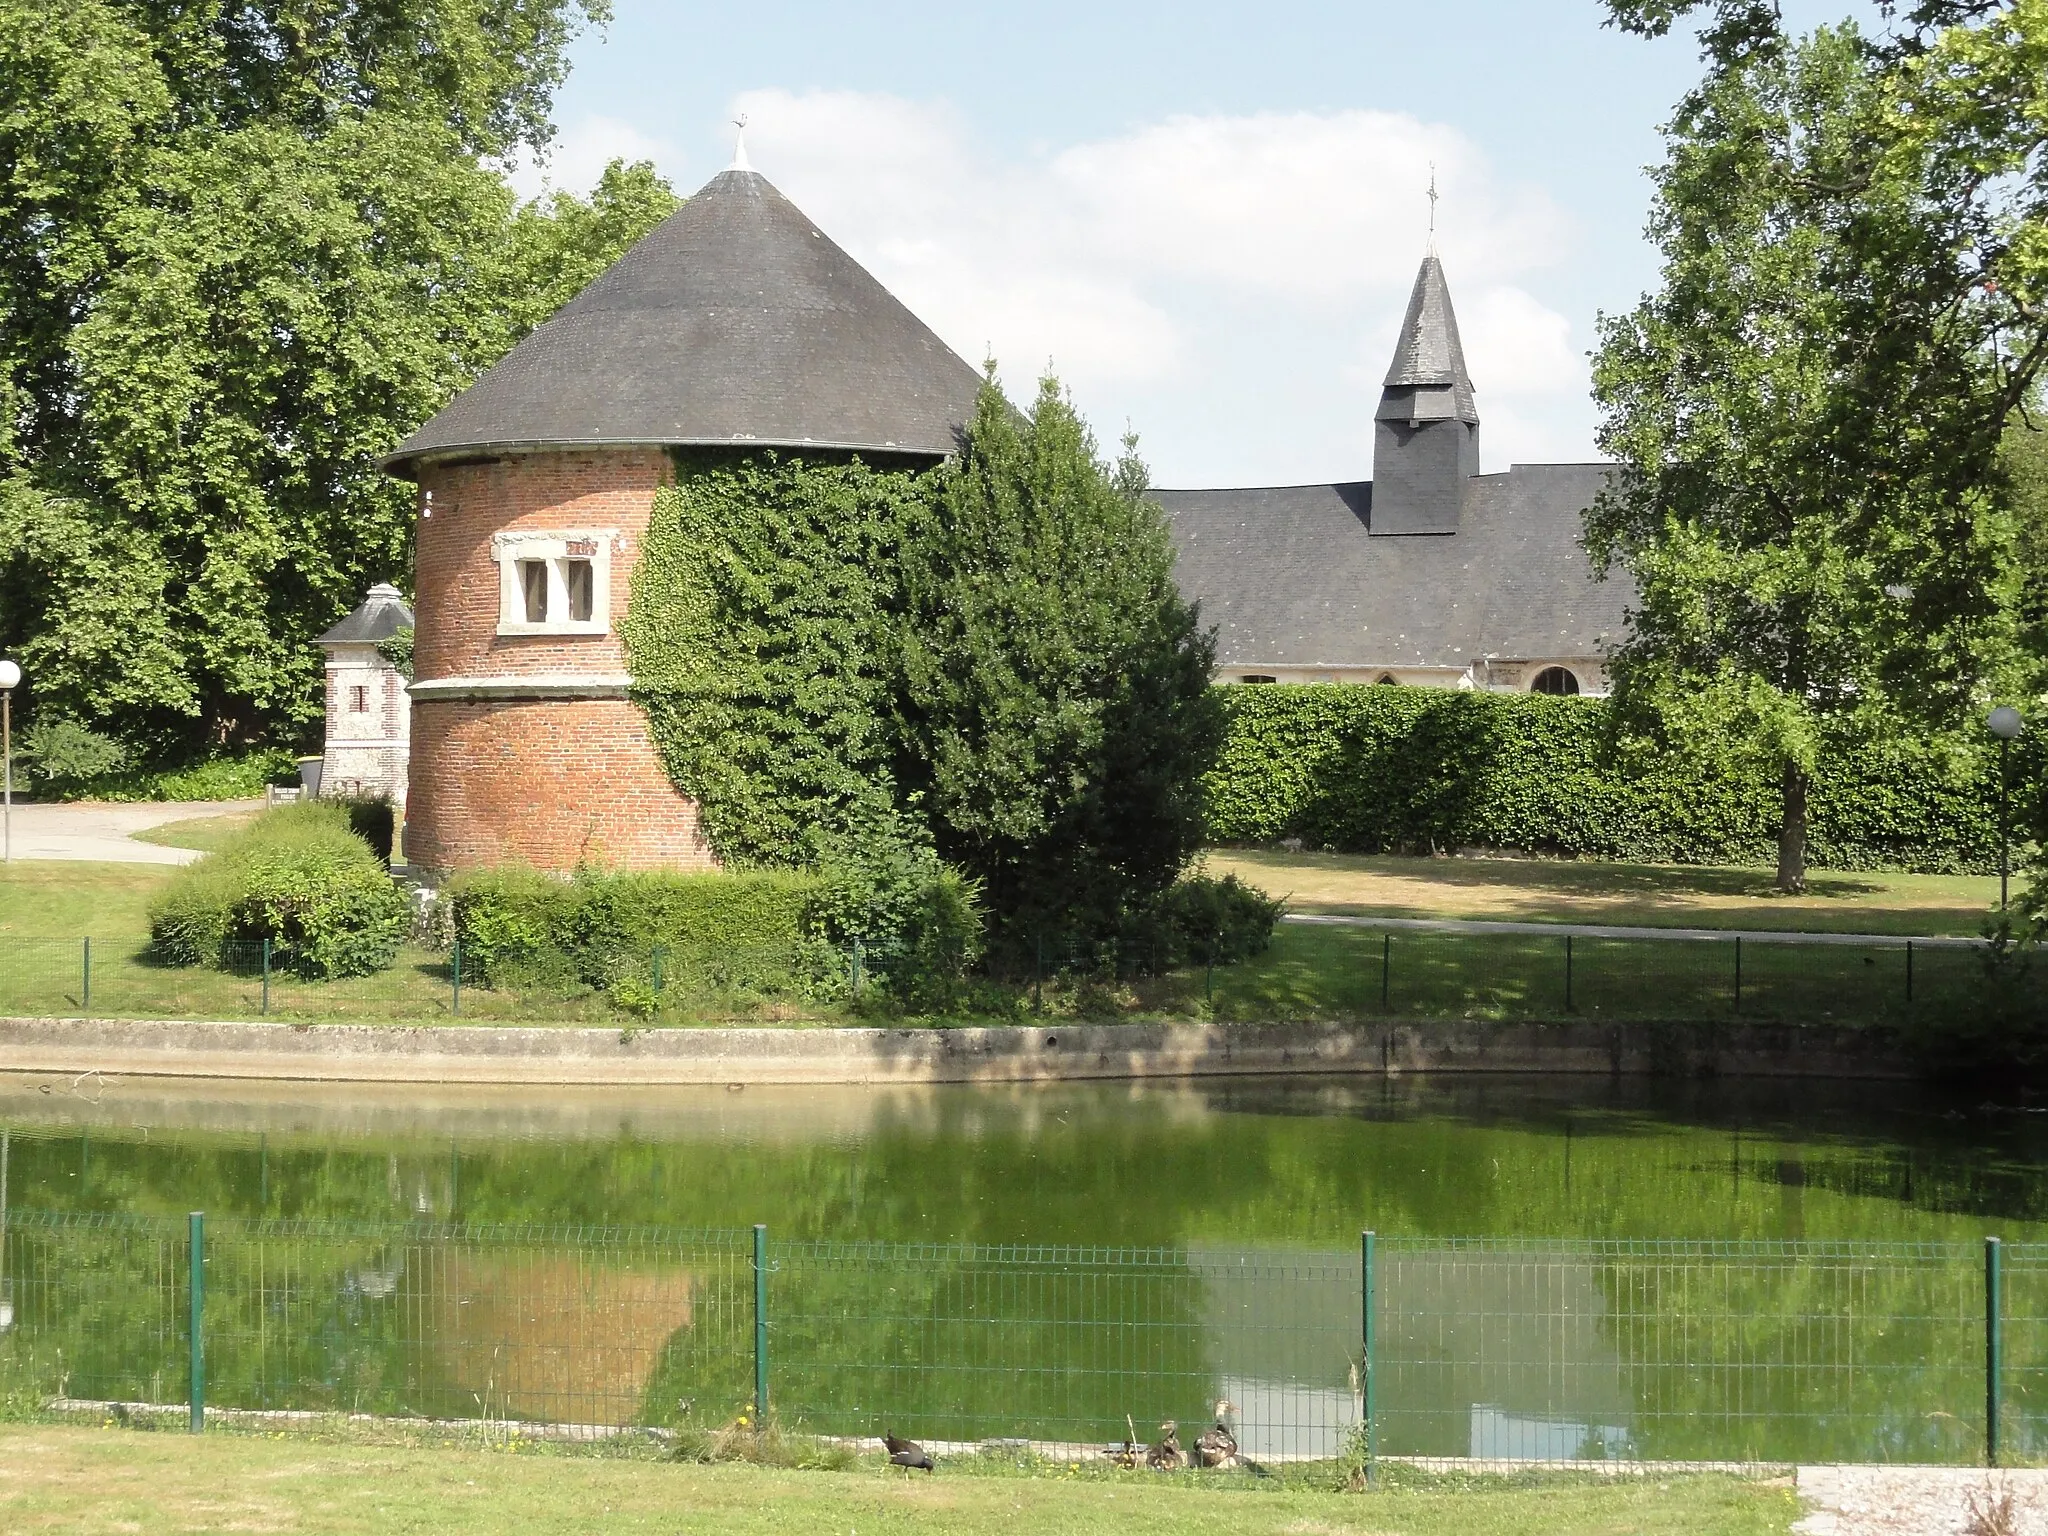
pixel 2004 722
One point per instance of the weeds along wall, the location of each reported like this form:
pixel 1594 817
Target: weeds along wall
pixel 757 636
pixel 1368 769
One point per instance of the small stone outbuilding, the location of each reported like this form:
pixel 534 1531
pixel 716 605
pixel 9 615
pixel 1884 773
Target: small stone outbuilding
pixel 369 717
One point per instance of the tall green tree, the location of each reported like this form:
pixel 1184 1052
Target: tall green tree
pixel 1057 715
pixel 1807 414
pixel 244 248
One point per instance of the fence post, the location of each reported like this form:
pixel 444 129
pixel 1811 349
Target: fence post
pixel 1386 967
pixel 455 974
pixel 658 949
pixel 1366 1242
pixel 856 967
pixel 196 1243
pixel 1909 970
pixel 1994 1345
pixel 265 1008
pixel 1567 973
pixel 1738 973
pixel 85 972
pixel 760 1326
pixel 1037 973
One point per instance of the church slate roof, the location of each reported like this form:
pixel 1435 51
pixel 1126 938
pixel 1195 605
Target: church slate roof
pixel 1289 577
pixel 734 321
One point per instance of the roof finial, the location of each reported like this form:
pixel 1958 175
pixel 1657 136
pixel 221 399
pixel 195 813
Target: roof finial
pixel 1432 208
pixel 739 145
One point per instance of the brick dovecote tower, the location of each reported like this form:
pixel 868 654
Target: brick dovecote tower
pixel 735 322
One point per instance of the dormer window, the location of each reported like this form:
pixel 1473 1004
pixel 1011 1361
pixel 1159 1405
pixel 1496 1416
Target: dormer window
pixel 554 583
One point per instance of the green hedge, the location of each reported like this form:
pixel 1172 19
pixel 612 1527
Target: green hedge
pixel 297 877
pixel 523 927
pixel 1370 769
pixel 777 932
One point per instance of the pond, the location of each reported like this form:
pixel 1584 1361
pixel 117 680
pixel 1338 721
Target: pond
pixel 1566 1267
pixel 1293 1163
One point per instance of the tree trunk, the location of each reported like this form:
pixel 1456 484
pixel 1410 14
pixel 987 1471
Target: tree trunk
pixel 1792 835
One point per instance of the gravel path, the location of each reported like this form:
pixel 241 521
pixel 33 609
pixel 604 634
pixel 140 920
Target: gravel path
pixel 1918 1501
pixel 103 831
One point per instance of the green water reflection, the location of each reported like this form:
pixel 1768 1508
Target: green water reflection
pixel 1253 1192
pixel 1235 1163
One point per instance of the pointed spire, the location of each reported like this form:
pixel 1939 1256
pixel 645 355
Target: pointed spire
pixel 739 145
pixel 1426 430
pixel 1429 355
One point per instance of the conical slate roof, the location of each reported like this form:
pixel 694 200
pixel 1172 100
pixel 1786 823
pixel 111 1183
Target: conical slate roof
pixel 1429 359
pixel 734 321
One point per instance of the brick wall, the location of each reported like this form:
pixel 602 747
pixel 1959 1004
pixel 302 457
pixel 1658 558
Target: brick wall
pixel 547 782
pixel 456 578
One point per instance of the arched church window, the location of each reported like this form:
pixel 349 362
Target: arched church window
pixel 1387 678
pixel 1557 680
pixel 1257 677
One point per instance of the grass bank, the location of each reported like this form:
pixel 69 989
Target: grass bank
pixel 90 1480
pixel 1310 973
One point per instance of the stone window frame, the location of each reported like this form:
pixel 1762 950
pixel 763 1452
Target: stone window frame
pixel 555 547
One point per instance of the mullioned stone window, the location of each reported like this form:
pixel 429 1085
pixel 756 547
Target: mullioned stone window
pixel 555 583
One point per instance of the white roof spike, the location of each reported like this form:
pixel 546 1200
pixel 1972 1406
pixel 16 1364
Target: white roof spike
pixel 739 145
pixel 1431 249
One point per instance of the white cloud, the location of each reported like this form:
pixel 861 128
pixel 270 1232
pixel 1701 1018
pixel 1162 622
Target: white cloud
pixel 1231 284
pixel 580 152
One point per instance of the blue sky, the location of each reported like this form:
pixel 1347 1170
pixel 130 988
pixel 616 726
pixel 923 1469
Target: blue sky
pixel 1206 216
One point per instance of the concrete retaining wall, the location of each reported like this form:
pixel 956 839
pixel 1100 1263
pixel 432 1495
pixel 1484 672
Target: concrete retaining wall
pixel 1045 1053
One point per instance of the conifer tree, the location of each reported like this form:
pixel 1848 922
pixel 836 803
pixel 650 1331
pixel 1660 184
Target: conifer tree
pixel 1057 712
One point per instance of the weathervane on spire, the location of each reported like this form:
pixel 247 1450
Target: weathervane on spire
pixel 1432 207
pixel 739 145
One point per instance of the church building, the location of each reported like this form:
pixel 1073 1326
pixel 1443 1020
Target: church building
pixel 736 322
pixel 1429 572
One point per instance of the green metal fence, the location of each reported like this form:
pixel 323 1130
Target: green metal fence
pixel 1489 1349
pixel 99 977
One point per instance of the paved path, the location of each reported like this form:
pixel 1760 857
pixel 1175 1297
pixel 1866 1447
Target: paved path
pixel 1920 1501
pixel 1614 931
pixel 105 832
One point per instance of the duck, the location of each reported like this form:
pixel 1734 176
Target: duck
pixel 1166 1456
pixel 908 1454
pixel 1218 1447
pixel 1125 1455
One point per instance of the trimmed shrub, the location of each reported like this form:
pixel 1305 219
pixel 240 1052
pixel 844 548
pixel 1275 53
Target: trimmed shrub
pixel 1365 769
pixel 1219 922
pixel 297 877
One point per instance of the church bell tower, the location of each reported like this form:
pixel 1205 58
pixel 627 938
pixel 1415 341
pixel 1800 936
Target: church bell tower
pixel 1426 431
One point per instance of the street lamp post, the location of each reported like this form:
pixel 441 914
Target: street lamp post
pixel 10 679
pixel 2003 722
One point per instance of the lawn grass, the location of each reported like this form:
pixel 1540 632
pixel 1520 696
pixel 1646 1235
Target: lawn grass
pixel 1649 895
pixel 104 1480
pixel 206 833
pixel 1310 973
